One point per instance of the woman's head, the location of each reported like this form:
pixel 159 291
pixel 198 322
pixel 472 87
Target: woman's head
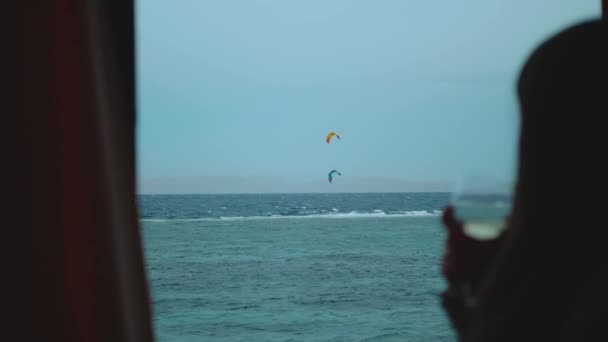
pixel 563 93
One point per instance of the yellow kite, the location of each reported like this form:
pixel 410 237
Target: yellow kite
pixel 331 135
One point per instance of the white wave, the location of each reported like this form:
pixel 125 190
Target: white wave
pixel 202 219
pixel 230 218
pixel 332 215
pixel 418 213
pixel 352 214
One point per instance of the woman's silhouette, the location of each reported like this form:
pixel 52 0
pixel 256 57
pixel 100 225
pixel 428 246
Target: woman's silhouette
pixel 545 279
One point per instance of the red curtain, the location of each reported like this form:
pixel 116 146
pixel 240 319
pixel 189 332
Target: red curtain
pixel 77 266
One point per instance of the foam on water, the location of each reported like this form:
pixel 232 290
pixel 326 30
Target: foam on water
pixel 332 215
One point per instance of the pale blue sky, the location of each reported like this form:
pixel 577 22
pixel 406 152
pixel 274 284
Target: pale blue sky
pixel 420 91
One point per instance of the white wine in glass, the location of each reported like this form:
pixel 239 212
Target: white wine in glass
pixel 483 205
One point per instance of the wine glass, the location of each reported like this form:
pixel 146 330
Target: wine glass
pixel 483 204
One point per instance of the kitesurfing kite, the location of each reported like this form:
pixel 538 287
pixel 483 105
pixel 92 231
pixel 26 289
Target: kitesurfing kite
pixel 331 135
pixel 331 174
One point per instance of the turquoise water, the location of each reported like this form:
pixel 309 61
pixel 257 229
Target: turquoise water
pixel 346 274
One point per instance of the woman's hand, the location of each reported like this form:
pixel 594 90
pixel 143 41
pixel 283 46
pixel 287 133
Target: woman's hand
pixel 464 263
pixel 465 259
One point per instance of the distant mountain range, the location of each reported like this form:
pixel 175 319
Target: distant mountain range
pixel 257 184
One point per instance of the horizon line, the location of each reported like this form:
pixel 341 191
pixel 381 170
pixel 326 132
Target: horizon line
pixel 296 193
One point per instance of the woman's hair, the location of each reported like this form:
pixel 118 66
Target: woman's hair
pixel 555 253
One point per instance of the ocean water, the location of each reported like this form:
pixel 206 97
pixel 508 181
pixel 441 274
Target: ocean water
pixel 295 267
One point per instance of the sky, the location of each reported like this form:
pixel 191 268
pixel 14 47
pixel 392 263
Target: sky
pixel 238 96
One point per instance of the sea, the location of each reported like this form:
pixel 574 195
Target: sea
pixel 296 267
